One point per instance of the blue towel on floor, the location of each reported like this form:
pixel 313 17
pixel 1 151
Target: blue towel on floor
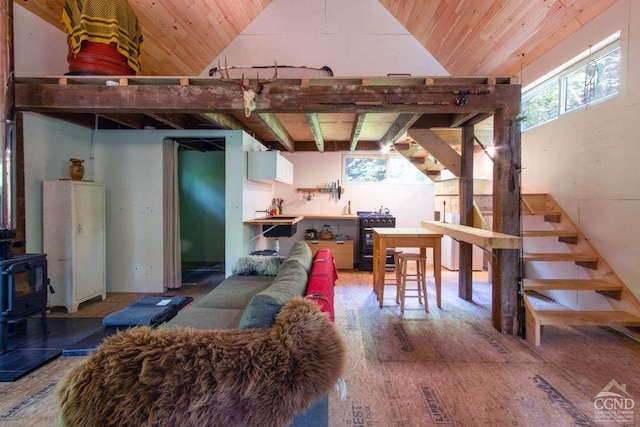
pixel 148 310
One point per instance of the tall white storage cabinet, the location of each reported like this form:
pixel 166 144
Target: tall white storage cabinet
pixel 74 241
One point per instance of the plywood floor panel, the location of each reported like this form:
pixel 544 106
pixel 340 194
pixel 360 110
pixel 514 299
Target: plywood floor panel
pixel 448 367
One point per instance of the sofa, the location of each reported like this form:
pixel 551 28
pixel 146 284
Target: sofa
pixel 261 349
pixel 252 300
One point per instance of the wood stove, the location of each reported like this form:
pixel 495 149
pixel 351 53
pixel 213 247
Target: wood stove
pixel 23 286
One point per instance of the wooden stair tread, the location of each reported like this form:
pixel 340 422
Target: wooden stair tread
pixel 534 213
pixel 549 233
pixel 570 284
pixel 586 318
pixel 533 256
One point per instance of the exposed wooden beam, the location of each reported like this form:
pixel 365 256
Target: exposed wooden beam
pixel 399 127
pixel 174 121
pixel 33 95
pixel 134 121
pixel 468 119
pixel 506 219
pixel 276 126
pixel 355 132
pixel 429 121
pixel 331 146
pixel 465 271
pixel 224 121
pixel 314 124
pixel 438 149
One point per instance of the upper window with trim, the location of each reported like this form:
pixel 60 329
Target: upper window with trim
pixel 591 77
pixel 380 168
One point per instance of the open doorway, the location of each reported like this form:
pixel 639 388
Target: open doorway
pixel 201 184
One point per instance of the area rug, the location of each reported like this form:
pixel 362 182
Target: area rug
pixel 29 348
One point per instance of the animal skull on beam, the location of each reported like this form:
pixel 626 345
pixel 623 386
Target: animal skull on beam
pixel 249 94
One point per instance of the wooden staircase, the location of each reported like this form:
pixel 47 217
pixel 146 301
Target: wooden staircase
pixel 618 306
pixel 420 158
pixel 592 274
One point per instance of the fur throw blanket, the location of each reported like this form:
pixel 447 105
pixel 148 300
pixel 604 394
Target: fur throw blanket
pixel 188 377
pixel 257 265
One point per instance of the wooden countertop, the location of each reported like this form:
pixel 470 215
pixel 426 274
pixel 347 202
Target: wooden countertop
pixel 295 218
pixel 275 220
pixel 404 232
pixel 331 217
pixel 476 236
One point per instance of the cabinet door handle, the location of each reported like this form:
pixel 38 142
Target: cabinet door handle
pixel 79 228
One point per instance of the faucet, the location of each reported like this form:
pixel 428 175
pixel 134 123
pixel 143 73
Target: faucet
pixel 266 211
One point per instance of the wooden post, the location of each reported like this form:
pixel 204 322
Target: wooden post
pixel 506 219
pixel 7 88
pixel 465 273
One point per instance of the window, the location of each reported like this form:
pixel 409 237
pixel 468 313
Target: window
pixel 541 105
pixel 374 168
pixel 592 76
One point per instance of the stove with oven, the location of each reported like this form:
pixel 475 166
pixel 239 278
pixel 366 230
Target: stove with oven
pixel 366 222
pixel 23 286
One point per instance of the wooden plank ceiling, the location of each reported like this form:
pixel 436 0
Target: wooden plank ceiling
pixel 468 37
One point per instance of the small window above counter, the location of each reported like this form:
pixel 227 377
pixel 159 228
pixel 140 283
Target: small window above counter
pixel 269 166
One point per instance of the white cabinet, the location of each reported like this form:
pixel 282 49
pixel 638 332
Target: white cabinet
pixel 269 166
pixel 74 241
pixel 450 258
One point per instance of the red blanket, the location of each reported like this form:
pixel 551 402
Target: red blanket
pixel 322 278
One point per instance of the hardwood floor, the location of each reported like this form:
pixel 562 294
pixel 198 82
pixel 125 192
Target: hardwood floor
pixel 448 366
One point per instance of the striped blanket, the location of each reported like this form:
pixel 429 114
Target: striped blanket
pixel 109 21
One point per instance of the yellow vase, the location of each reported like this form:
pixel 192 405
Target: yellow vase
pixel 76 169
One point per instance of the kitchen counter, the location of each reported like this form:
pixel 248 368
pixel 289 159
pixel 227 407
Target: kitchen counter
pixel 295 218
pixel 331 217
pixel 275 220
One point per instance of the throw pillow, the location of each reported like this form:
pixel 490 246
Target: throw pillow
pixel 262 308
pixel 257 265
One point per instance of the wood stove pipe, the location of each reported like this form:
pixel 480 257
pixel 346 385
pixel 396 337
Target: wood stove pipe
pixel 7 104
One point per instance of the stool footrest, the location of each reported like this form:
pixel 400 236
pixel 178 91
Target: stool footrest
pixel 418 277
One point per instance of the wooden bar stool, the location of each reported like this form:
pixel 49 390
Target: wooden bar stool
pixel 419 278
pixel 393 265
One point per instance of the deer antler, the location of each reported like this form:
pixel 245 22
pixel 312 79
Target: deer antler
pixel 248 94
pixel 259 85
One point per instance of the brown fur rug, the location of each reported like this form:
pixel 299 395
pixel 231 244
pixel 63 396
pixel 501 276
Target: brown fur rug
pixel 187 377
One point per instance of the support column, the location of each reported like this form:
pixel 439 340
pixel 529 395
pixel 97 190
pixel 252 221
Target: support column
pixel 506 219
pixel 7 110
pixel 465 272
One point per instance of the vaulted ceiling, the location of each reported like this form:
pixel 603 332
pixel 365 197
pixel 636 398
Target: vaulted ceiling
pixel 492 38
pixel 467 37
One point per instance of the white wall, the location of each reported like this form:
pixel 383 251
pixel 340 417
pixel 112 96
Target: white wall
pixel 40 48
pixel 353 38
pixel 587 160
pixel 409 203
pixel 130 164
pixel 49 144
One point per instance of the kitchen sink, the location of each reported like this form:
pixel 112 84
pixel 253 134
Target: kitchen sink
pixel 278 218
pixel 278 226
pixel 286 230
